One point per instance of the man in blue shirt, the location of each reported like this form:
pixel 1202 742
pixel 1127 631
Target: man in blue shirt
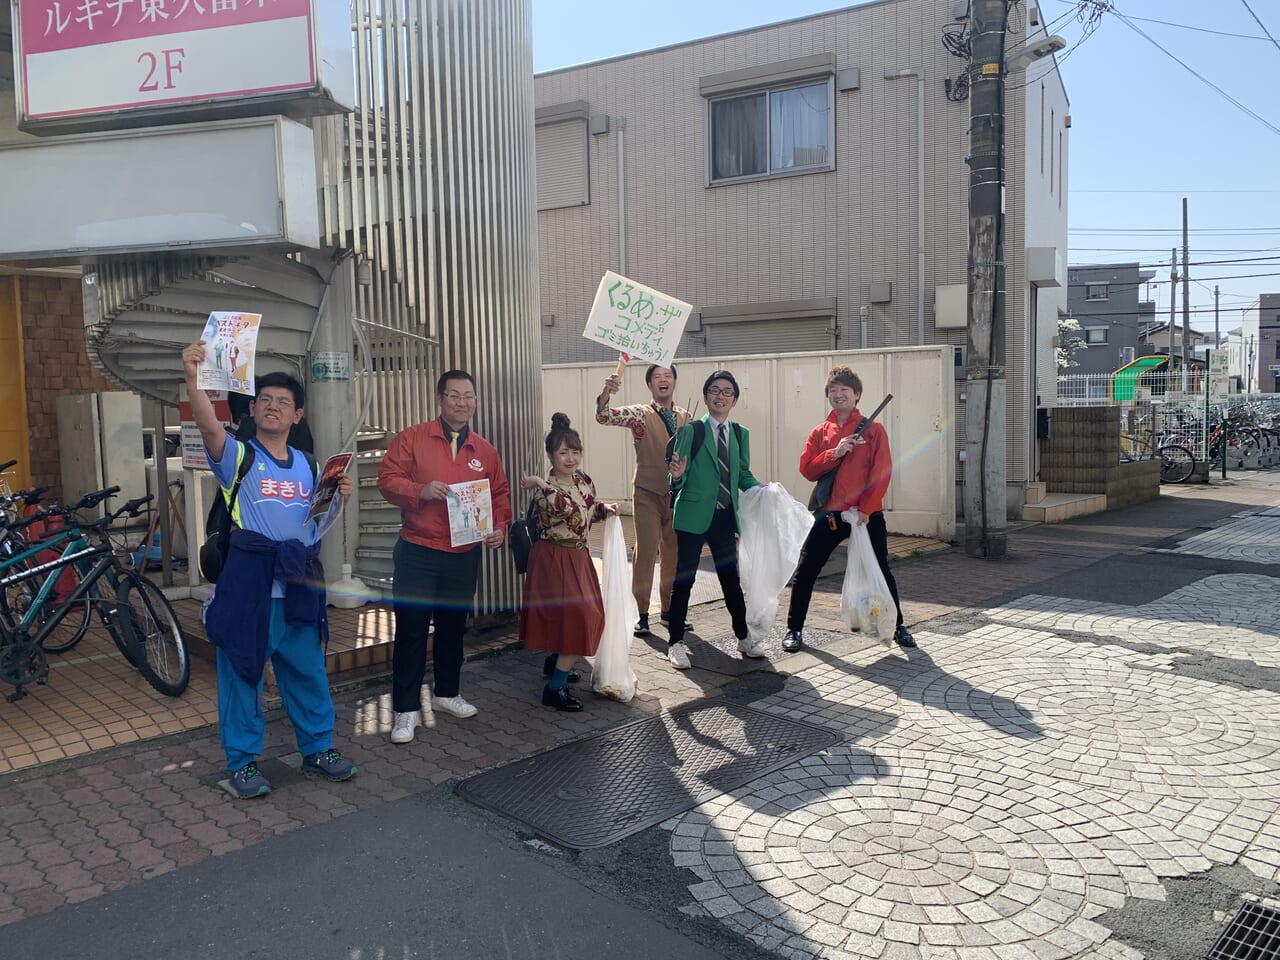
pixel 269 603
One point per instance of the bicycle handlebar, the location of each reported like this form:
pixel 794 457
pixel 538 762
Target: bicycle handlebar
pixel 93 499
pixel 31 497
pixel 132 508
pixel 7 464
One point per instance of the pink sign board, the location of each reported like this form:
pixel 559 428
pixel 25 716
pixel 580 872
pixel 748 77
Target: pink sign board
pixel 82 57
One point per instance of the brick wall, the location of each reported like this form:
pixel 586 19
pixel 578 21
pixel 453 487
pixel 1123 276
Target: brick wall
pixel 56 364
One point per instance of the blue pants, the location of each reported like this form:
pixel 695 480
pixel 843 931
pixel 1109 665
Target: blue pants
pixel 297 655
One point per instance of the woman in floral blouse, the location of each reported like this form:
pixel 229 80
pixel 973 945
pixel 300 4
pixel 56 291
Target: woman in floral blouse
pixel 563 611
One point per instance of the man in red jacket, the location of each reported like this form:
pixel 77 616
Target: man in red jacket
pixel 864 468
pixel 433 578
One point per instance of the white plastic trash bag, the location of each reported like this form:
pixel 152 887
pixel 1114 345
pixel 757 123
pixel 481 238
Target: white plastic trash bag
pixel 773 527
pixel 865 602
pixel 611 673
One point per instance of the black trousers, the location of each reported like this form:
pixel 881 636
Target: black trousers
pixel 822 540
pixel 429 585
pixel 722 537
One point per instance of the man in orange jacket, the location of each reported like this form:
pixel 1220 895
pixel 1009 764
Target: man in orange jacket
pixel 864 468
pixel 433 578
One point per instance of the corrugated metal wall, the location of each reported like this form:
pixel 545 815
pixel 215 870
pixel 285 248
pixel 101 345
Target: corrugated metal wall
pixel 431 185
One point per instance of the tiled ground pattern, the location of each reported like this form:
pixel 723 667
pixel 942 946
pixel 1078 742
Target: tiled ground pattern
pixel 1254 539
pixel 998 791
pixel 74 828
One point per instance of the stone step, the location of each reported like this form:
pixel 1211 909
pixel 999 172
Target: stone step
pixel 1057 507
pixel 1036 492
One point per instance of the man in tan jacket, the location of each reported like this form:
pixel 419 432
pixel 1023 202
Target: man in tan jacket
pixel 651 426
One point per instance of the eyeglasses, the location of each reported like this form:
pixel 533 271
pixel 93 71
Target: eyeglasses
pixel 284 403
pixel 453 397
pixel 720 391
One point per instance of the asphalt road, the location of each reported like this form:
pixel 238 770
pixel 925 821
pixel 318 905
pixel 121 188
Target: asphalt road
pixel 421 877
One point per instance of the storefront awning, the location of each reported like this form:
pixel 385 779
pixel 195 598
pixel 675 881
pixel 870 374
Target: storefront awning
pixel 1124 382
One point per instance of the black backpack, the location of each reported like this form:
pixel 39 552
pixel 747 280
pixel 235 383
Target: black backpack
pixel 217 526
pixel 520 537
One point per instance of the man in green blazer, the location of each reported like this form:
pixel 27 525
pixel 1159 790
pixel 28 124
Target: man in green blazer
pixel 706 484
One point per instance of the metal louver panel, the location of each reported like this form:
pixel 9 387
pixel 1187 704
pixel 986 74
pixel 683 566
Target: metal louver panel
pixel 563 179
pixel 768 336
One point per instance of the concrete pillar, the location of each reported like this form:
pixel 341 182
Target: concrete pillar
pixel 331 402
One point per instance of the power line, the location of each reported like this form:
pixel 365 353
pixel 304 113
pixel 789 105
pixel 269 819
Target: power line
pixel 1161 250
pixel 1187 26
pixel 1080 190
pixel 1261 24
pixel 1218 231
pixel 1194 263
pixel 1199 76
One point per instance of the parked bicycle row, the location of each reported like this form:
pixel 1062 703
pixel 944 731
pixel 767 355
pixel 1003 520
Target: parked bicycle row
pixel 57 570
pixel 1178 436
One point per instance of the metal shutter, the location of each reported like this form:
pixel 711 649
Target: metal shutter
pixel 562 165
pixel 768 336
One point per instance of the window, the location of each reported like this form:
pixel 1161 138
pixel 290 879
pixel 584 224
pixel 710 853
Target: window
pixel 771 132
pixel 1093 335
pixel 1095 291
pixel 561 156
pixel 1278 349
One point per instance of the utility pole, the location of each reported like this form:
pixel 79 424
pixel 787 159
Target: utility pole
pixel 1217 337
pixel 985 511
pixel 1173 298
pixel 1186 299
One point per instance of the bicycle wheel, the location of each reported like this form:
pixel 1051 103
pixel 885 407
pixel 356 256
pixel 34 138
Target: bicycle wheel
pixel 70 630
pixel 152 630
pixel 1177 463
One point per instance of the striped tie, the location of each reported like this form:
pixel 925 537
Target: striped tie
pixel 724 497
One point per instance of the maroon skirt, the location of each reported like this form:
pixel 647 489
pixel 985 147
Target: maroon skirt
pixel 563 611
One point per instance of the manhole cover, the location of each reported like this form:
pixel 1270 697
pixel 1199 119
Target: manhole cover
pixel 719 653
pixel 596 791
pixel 1254 934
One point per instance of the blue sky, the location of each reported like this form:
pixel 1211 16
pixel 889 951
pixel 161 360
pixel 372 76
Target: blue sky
pixel 1145 131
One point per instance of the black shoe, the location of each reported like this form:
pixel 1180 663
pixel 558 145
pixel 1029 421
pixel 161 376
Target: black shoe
pixel 549 664
pixel 642 626
pixel 560 699
pixel 793 641
pixel 666 622
pixel 904 638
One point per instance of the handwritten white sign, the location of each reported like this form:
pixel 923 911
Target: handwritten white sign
pixel 636 320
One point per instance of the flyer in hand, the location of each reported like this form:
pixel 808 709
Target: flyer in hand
pixel 470 512
pixel 327 485
pixel 230 342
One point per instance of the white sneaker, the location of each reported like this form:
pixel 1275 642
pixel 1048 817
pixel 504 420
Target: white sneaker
pixel 753 650
pixel 453 705
pixel 679 656
pixel 403 725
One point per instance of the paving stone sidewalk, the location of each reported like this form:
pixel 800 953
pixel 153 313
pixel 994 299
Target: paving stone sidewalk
pixel 924 731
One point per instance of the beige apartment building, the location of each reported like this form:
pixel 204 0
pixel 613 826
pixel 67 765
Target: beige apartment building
pixel 804 186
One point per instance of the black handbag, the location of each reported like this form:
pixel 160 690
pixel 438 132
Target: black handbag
pixel 822 490
pixel 520 537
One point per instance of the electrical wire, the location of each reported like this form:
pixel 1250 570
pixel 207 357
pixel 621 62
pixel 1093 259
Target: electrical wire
pixel 1261 24
pixel 1187 26
pixel 1199 76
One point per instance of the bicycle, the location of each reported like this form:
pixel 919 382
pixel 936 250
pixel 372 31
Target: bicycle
pixel 72 628
pixel 1177 463
pixel 133 610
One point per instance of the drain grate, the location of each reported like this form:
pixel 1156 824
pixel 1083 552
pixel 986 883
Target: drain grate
pixel 597 791
pixel 1254 934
